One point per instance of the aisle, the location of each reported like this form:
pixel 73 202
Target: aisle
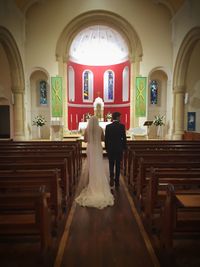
pixel 110 237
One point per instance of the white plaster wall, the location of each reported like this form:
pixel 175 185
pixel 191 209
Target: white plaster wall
pixel 193 86
pixel 5 79
pixel 37 37
pixel 13 20
pixel 5 85
pixel 46 20
pixel 187 18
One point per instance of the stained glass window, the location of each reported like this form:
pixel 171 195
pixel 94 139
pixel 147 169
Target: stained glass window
pixel 154 92
pixel 43 92
pixel 87 86
pixel 109 86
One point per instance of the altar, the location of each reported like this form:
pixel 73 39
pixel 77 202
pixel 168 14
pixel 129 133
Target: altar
pixel 83 125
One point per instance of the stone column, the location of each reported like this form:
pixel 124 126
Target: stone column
pixel 18 114
pixel 178 112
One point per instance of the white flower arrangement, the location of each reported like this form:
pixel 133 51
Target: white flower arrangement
pixel 39 121
pixel 159 120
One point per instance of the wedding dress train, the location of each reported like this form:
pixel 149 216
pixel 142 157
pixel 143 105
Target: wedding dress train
pixel 97 193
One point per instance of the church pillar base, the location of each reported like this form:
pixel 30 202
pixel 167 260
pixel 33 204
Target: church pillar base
pixel 56 132
pixel 178 136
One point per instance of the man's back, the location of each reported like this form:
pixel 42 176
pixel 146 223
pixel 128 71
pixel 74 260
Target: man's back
pixel 115 138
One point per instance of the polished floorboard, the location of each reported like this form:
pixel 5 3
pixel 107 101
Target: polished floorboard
pixel 110 237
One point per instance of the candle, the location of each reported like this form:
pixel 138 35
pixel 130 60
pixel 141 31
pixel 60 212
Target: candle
pixel 76 118
pixel 71 118
pixel 126 118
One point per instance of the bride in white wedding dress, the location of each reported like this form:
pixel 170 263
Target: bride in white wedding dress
pixel 97 193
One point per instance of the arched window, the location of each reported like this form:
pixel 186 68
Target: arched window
pixel 109 80
pixel 43 92
pixel 154 92
pixel 71 80
pixel 87 86
pixel 125 84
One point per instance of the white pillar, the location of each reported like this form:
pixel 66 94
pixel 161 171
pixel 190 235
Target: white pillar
pixel 18 114
pixel 178 112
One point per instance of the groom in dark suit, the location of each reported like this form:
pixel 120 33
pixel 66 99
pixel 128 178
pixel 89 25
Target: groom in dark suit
pixel 115 143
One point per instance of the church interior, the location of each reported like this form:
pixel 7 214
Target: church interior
pixel 62 62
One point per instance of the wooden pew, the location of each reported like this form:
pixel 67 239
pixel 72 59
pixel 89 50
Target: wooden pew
pixel 181 215
pixel 154 145
pixel 61 166
pixel 44 158
pixel 76 145
pixel 156 154
pixel 26 213
pixel 161 160
pixel 47 152
pixel 32 179
pixel 156 189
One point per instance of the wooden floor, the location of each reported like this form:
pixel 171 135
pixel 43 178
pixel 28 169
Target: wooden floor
pixel 110 237
pixel 88 237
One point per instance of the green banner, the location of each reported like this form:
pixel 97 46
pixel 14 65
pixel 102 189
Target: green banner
pixel 56 96
pixel 140 101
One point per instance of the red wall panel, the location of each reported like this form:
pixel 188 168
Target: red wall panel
pixel 79 108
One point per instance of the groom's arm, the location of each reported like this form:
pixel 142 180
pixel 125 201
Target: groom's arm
pixel 124 138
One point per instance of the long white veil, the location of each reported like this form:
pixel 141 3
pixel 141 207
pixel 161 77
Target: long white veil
pixel 94 149
pixel 97 193
pixel 93 130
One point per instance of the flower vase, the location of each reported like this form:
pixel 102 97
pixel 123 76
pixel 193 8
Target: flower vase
pixel 108 120
pixel 159 132
pixel 39 132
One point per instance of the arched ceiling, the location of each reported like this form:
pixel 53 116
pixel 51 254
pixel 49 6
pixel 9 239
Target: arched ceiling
pixel 111 47
pixel 172 5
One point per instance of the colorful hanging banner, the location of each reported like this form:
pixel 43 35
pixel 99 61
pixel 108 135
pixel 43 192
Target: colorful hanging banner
pixel 56 95
pixel 140 101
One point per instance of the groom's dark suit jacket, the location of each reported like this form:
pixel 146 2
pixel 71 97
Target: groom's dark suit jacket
pixel 115 140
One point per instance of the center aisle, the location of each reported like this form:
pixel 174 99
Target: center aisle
pixel 110 237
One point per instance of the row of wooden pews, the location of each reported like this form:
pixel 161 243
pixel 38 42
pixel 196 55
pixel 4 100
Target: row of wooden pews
pixel 38 180
pixel 164 180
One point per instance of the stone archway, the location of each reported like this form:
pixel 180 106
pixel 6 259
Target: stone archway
pixel 103 18
pixel 36 108
pixel 179 83
pixel 17 81
pixel 163 77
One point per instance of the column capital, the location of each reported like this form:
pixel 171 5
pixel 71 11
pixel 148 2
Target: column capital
pixel 135 59
pixel 17 90
pixel 179 89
